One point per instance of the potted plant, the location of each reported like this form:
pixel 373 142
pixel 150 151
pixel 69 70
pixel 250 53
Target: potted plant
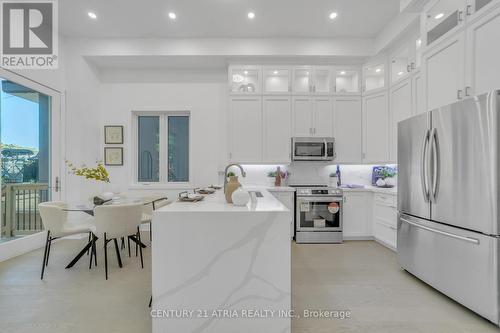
pixel 271 178
pixel 386 177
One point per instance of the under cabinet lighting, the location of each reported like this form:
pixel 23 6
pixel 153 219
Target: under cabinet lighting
pixel 245 72
pixel 333 15
pixel 251 15
pixel 92 15
pixel 378 70
pixel 438 16
pixel 172 15
pixel 342 73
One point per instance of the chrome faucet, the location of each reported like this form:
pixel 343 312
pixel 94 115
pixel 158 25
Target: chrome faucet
pixel 243 173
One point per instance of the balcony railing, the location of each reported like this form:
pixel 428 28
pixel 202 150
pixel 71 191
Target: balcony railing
pixel 20 213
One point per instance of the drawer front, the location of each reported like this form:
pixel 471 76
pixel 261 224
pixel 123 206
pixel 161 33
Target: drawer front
pixel 386 200
pixel 386 214
pixel 385 233
pixel 460 263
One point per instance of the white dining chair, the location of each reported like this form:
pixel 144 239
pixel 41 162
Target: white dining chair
pixel 57 224
pixel 116 221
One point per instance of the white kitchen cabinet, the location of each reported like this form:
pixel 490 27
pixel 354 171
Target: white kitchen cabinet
pixel 287 199
pixel 347 129
pixel 245 128
pixel 444 72
pixel 322 116
pixel 476 8
pixel 277 124
pixel 374 77
pixel 385 219
pixel 302 80
pixel 401 100
pixel 483 54
pixel 312 116
pixel 347 81
pixel 277 80
pixel 375 128
pixel 357 214
pixel 245 80
pixel 418 93
pixel 442 18
pixel 406 60
pixel 322 80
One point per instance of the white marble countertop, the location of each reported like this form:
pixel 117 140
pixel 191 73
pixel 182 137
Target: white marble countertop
pixel 217 203
pixel 374 189
pixel 279 188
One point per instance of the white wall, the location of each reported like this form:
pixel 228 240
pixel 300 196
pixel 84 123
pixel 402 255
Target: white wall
pixel 206 100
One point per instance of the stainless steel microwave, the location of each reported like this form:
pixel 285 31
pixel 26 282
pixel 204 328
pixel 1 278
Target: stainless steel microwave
pixel 313 149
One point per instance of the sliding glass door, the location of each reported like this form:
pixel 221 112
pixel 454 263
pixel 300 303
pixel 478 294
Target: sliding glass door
pixel 29 156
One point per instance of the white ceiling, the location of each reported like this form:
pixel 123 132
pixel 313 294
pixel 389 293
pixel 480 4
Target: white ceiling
pixel 226 18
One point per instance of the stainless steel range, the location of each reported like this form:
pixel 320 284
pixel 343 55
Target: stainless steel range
pixel 318 214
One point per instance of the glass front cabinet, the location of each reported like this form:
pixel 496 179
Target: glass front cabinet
pixel 374 76
pixel 347 81
pixel 314 80
pixel 277 80
pixel 406 60
pixel 245 80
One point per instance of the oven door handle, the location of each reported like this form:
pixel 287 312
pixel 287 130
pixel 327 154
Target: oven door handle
pixel 320 199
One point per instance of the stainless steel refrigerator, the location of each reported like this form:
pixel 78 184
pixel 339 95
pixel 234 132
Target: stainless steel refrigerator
pixel 448 201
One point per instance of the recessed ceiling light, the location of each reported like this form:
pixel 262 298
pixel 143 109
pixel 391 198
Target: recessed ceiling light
pixel 438 16
pixel 378 70
pixel 400 73
pixel 333 15
pixel 172 15
pixel 342 73
pixel 275 72
pixel 251 15
pixel 92 15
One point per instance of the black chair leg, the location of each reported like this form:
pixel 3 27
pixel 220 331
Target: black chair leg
pixel 128 243
pixel 89 241
pixel 150 300
pixel 45 254
pixel 140 247
pixel 106 255
pixel 118 253
pixel 150 232
pixel 122 244
pixel 48 252
pixel 92 253
pixel 95 250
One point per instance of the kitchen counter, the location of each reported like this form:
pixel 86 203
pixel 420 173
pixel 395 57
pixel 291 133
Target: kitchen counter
pixel 215 264
pixel 373 189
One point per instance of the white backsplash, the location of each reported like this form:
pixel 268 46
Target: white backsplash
pixel 309 173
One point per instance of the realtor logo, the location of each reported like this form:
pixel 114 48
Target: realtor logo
pixel 29 34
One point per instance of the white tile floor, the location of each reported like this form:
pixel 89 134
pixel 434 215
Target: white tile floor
pixel 362 277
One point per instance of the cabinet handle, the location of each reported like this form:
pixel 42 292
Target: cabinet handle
pixel 459 94
pixel 467 91
pixel 460 16
pixel 408 68
pixel 413 66
pixel 468 10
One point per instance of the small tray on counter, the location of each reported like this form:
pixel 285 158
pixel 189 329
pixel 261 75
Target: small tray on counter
pixel 207 190
pixel 184 196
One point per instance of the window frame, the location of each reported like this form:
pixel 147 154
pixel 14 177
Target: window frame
pixel 163 182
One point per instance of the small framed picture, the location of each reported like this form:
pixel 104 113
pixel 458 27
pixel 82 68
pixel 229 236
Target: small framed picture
pixel 113 156
pixel 113 134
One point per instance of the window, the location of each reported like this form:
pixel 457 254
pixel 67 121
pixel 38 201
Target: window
pixel 162 147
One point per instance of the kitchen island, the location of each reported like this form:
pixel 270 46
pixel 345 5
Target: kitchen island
pixel 221 268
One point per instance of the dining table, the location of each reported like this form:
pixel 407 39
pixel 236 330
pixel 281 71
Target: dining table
pixel 88 208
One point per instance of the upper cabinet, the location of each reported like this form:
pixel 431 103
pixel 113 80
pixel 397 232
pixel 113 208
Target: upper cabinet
pixel 374 77
pixel 312 80
pixel 483 54
pixel 347 129
pixel 245 129
pixel 441 17
pixel 347 81
pixel 312 116
pixel 277 80
pixel 406 59
pixel 245 80
pixel 375 124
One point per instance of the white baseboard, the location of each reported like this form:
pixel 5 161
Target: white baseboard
pixel 354 237
pixel 22 245
pixel 385 244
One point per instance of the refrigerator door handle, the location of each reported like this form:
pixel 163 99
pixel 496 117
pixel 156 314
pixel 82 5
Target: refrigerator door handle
pixel 434 148
pixel 444 233
pixel 423 166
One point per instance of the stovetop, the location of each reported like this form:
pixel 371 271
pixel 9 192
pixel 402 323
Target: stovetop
pixel 317 190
